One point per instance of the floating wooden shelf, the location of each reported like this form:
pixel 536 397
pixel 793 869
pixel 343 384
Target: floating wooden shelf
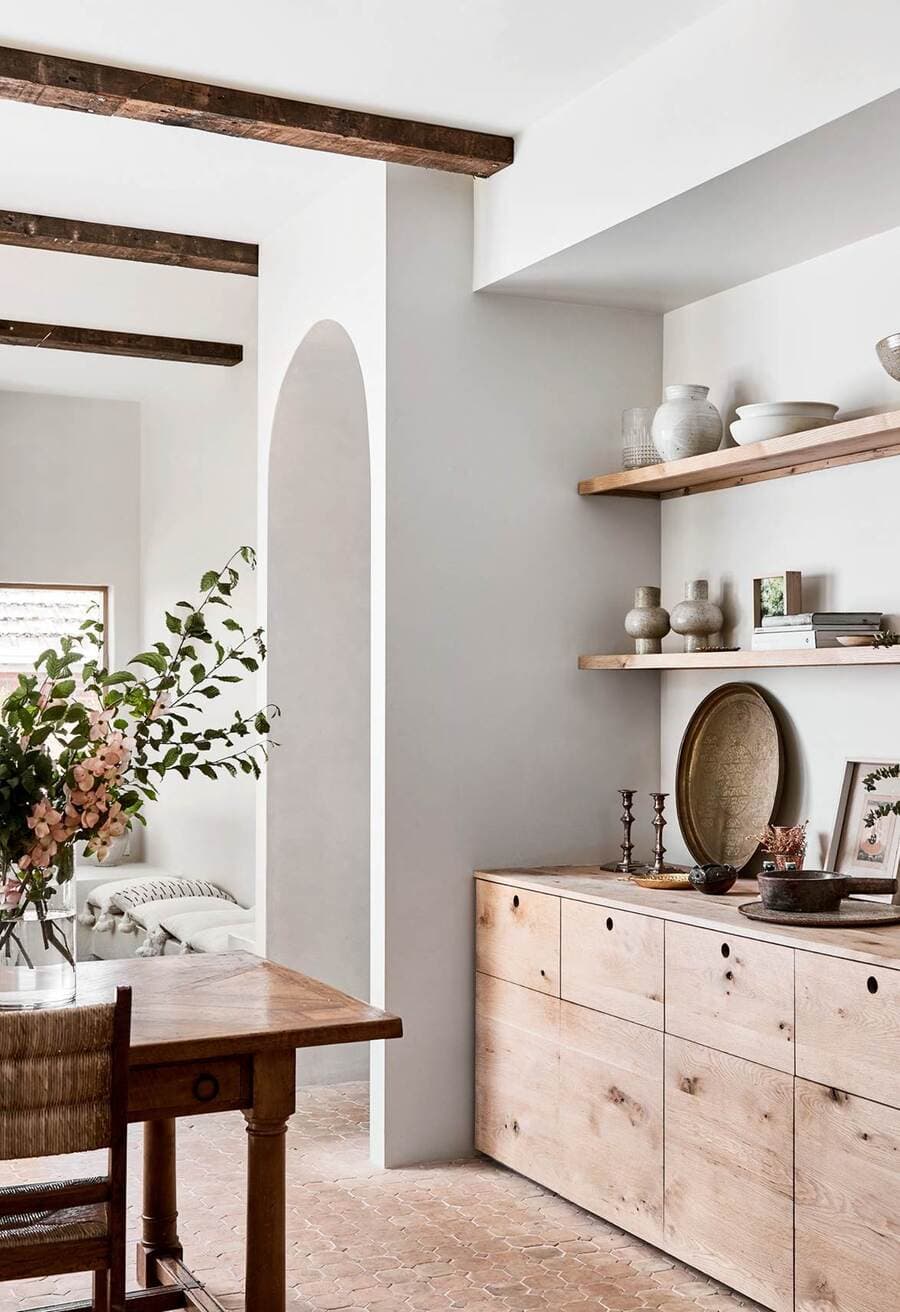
pixel 872 438
pixel 744 660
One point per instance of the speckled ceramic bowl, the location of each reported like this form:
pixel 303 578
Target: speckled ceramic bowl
pixel 889 354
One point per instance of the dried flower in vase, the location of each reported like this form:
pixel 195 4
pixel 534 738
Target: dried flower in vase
pixel 785 844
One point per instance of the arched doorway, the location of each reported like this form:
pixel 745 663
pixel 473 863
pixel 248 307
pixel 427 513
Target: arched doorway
pixel 319 617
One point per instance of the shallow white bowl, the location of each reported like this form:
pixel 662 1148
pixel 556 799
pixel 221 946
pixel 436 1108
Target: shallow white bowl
pixel 746 431
pixel 765 409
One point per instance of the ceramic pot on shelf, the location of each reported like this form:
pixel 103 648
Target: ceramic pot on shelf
pixel 697 618
pixel 648 622
pixel 687 423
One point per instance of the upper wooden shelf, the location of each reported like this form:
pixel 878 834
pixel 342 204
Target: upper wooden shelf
pixel 871 438
pixel 743 660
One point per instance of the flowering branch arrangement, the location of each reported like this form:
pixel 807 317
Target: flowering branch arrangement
pixel 84 748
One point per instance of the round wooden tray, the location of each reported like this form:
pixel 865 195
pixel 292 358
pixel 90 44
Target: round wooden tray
pixel 728 779
pixel 849 915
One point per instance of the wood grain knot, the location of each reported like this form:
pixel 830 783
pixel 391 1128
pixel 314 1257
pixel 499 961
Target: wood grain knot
pixel 689 1084
pixel 837 1096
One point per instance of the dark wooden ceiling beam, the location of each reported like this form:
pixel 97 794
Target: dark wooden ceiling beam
pixel 41 232
pixel 64 83
pixel 100 341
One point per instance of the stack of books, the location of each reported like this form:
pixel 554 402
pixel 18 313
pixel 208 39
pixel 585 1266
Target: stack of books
pixel 814 629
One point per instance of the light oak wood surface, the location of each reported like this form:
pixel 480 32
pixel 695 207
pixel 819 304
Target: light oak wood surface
pixel 878 946
pixel 517 1078
pixel 848 1202
pixel 729 1132
pixel 731 993
pixel 613 962
pixel 611 1119
pixel 871 438
pixel 743 660
pixel 517 937
pixel 848 1026
pixel 56 81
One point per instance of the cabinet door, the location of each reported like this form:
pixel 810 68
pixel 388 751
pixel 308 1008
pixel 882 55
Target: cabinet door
pixel 848 1202
pixel 731 993
pixel 517 1078
pixel 848 1026
pixel 517 936
pixel 729 1170
pixel 610 1115
pixel 613 961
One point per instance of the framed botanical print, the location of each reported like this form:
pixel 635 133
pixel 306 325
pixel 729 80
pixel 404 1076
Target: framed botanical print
pixel 775 596
pixel 857 848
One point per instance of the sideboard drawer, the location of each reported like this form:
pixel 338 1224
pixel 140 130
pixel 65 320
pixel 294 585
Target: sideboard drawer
pixel 612 961
pixel 190 1087
pixel 517 936
pixel 848 1026
pixel 731 993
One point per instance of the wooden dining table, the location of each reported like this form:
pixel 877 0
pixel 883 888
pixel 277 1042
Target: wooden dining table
pixel 219 1033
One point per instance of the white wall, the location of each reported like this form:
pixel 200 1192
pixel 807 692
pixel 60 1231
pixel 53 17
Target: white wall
pixel 70 503
pixel 806 333
pixel 748 77
pixel 489 576
pixel 189 489
pixel 498 750
pixel 319 674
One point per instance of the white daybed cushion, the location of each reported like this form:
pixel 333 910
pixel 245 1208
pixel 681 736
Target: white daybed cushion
pixel 148 919
pixel 214 938
pixel 120 896
pixel 185 924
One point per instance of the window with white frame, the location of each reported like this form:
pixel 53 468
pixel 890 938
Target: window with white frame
pixel 35 616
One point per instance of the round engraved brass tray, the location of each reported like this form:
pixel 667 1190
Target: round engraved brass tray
pixel 729 775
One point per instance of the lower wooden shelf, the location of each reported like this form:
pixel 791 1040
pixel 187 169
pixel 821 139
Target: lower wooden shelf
pixel 743 660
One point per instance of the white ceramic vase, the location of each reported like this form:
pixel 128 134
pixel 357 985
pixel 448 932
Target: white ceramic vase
pixel 687 423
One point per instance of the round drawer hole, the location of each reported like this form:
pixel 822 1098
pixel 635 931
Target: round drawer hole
pixel 726 950
pixel 206 1087
pixel 872 984
pixel 516 900
pixel 609 922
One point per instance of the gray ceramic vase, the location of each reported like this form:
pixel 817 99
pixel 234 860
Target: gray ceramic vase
pixel 697 618
pixel 647 623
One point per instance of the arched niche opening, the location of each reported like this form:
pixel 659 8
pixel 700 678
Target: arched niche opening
pixel 319 609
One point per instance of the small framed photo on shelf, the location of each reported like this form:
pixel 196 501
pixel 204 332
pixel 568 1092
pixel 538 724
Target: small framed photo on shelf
pixel 776 595
pixel 857 848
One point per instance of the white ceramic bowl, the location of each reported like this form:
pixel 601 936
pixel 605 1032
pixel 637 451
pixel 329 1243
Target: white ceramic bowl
pixel 767 409
pixel 746 431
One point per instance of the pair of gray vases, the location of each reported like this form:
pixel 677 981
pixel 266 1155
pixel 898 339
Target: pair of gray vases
pixel 696 618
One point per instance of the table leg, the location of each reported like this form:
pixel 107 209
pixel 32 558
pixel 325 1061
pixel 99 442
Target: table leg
pixel 273 1103
pixel 160 1216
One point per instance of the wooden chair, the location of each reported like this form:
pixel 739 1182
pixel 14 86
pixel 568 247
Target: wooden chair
pixel 64 1089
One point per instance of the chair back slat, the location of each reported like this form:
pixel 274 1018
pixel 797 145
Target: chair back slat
pixel 55 1075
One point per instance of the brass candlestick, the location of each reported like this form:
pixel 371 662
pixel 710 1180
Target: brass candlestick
pixel 660 866
pixel 626 866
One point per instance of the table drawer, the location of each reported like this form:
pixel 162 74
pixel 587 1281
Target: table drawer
pixel 612 961
pixel 517 936
pixel 731 993
pixel 190 1088
pixel 848 1026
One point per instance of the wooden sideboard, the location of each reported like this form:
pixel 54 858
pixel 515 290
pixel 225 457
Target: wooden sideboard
pixel 728 1091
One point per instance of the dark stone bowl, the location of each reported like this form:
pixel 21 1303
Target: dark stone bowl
pixel 802 890
pixel 713 878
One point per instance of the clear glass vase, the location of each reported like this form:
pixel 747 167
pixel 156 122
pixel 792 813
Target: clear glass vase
pixel 37 936
pixel 637 442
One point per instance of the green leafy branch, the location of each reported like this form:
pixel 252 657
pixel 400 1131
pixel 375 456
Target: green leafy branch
pixel 870 783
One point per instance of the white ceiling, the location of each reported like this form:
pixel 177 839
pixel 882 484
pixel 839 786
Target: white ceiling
pixel 492 64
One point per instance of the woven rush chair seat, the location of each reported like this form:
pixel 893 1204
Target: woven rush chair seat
pixel 64 1225
pixel 64 1089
